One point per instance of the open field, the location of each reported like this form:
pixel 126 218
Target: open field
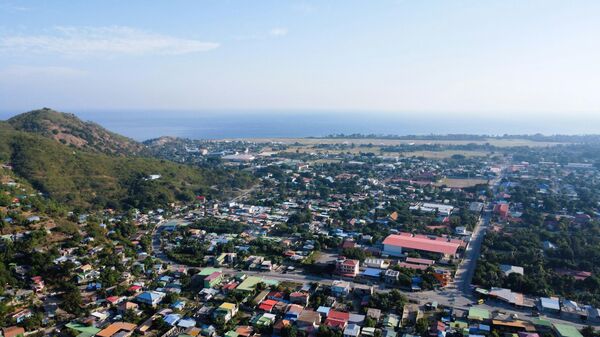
pixel 443 154
pixel 307 149
pixel 388 142
pixel 460 183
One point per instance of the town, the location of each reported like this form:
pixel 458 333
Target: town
pixel 334 239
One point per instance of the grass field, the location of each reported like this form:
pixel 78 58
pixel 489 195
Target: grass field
pixel 460 183
pixel 444 154
pixel 388 142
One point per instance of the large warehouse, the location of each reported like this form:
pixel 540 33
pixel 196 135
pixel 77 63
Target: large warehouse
pixel 394 245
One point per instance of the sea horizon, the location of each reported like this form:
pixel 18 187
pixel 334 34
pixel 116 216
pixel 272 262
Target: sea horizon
pixel 211 124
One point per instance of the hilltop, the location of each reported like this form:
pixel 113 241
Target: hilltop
pixel 89 175
pixel 67 129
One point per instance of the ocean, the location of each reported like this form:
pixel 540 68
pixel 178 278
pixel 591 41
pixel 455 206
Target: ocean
pixel 142 125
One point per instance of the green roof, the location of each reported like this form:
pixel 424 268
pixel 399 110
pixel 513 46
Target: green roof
pixel 231 333
pixel 249 283
pixel 565 330
pixel 207 271
pixel 84 329
pixel 478 313
pixel 541 322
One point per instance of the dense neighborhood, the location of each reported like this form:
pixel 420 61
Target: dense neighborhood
pixel 343 242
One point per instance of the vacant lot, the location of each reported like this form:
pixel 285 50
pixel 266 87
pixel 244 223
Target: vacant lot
pixel 460 183
pixel 444 154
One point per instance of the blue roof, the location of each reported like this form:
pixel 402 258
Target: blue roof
pixel 323 310
pixel 172 319
pixel 373 272
pixel 550 303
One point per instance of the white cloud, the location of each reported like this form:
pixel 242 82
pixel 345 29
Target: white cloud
pixel 278 32
pixel 108 41
pixel 21 71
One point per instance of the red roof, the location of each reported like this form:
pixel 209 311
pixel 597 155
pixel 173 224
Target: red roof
pixel 422 243
pixel 338 315
pixel 267 305
pixel 420 261
pixel 113 299
pixel 335 323
pixel 349 262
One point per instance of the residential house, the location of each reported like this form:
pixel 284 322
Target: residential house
pixel 152 298
pixel 352 330
pixel 226 311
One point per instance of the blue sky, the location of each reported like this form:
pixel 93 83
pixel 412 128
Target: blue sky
pixel 533 58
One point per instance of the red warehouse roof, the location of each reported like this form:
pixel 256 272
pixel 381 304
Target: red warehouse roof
pixel 422 243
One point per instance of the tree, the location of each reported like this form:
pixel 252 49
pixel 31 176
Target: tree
pixel 72 301
pixel 289 331
pixel 588 331
pixel 422 326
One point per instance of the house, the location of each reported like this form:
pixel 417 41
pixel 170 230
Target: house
pixel 293 312
pixel 120 329
pixel 564 330
pixel 213 279
pixel 549 304
pixel 152 298
pixel 226 311
pixel 267 305
pixel 22 315
pixel 13 331
pixel 368 332
pixel 337 319
pixel 362 289
pixel 172 319
pixel 391 276
pixel 347 267
pixel 308 320
pixel 372 262
pixel 37 284
pixel 340 288
pixel 391 321
pixel 374 314
pixel 299 297
pixel 502 210
pixel 264 320
pixel 352 330
pixel 125 306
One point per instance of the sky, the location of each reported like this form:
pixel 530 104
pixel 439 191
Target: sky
pixel 509 58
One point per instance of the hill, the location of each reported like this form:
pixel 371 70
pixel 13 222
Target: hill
pixel 70 130
pixel 84 178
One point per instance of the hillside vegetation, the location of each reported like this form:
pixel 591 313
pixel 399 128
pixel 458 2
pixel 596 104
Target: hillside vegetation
pixel 86 178
pixel 70 130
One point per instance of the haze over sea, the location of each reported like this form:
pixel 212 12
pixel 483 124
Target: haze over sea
pixel 141 125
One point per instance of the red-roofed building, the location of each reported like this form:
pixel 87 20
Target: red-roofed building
pixel 337 319
pixel 394 245
pixel 347 267
pixel 501 210
pixel 135 288
pixel 267 305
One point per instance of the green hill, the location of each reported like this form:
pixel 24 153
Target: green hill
pixel 70 130
pixel 85 178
